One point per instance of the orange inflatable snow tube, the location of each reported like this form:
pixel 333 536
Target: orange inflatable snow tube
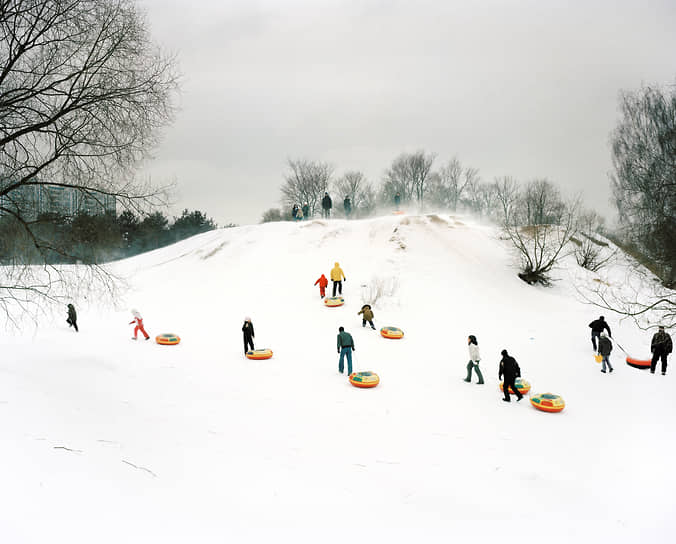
pixel 548 402
pixel 391 332
pixel 638 363
pixel 333 302
pixel 167 339
pixel 364 380
pixel 258 354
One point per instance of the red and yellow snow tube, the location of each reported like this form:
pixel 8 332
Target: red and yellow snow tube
pixel 548 402
pixel 638 363
pixel 258 354
pixel 334 302
pixel 391 332
pixel 365 380
pixel 167 339
pixel 522 385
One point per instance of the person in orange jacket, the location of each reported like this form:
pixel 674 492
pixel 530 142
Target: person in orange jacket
pixel 139 324
pixel 323 282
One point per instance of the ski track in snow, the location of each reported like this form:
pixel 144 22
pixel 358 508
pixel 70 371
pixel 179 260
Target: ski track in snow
pixel 109 440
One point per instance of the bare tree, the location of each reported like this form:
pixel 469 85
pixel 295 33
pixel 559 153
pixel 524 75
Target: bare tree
pixel 408 175
pixel 355 185
pixel 447 187
pixel 589 253
pixel 540 245
pixel 644 176
pixel 507 193
pixel 83 94
pixel 306 182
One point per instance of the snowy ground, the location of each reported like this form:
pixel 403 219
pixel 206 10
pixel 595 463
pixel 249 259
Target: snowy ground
pixel 109 440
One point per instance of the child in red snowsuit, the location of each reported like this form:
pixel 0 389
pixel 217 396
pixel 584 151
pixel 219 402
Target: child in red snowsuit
pixel 139 324
pixel 323 282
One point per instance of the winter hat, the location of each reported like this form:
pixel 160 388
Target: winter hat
pixel 601 318
pixel 341 329
pixel 503 353
pixel 135 313
pixel 247 319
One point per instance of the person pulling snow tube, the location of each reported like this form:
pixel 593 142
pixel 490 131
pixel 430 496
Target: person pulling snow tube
pixel 334 302
pixel 548 402
pixel 167 339
pixel 364 380
pixel 391 332
pixel 259 354
pixel 522 385
pixel 638 363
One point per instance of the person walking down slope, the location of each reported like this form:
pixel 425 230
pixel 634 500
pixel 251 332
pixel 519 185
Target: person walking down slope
pixel 326 206
pixel 474 358
pixel 323 282
pixel 248 334
pixel 345 348
pixel 605 347
pixel 367 315
pixel 597 326
pixel 661 346
pixel 347 204
pixel 72 317
pixel 337 277
pixel 509 368
pixel 139 325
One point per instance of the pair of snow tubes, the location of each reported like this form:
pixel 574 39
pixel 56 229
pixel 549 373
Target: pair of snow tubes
pixel 522 385
pixel 259 354
pixel 391 332
pixel 334 302
pixel 167 339
pixel 364 380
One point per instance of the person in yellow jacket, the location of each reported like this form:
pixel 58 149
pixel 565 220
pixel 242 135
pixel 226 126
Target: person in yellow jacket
pixel 337 277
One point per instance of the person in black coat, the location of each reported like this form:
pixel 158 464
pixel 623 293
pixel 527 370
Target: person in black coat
pixel 326 206
pixel 72 317
pixel 248 332
pixel 661 346
pixel 347 204
pixel 306 211
pixel 596 327
pixel 509 368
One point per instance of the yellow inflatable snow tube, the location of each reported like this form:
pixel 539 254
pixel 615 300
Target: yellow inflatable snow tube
pixel 167 339
pixel 258 354
pixel 548 402
pixel 365 380
pixel 391 332
pixel 522 385
pixel 333 302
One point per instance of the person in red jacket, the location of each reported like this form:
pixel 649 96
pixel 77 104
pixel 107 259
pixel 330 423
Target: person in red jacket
pixel 139 324
pixel 323 282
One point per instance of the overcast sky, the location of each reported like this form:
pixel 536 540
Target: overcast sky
pixel 521 88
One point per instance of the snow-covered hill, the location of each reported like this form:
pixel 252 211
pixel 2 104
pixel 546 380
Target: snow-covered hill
pixel 109 440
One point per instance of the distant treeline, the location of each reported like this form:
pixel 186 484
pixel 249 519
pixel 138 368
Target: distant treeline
pixel 90 239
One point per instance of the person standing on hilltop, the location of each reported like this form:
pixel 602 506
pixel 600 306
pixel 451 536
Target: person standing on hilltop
pixel 661 346
pixel 347 204
pixel 337 277
pixel 597 326
pixel 72 317
pixel 326 206
pixel 474 358
pixel 306 211
pixel 397 201
pixel 509 368
pixel 248 334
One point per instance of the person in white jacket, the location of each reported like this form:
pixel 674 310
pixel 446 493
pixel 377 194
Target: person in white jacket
pixel 474 358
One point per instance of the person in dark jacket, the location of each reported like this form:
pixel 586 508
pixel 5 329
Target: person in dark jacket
pixel 347 204
pixel 605 347
pixel 661 346
pixel 397 201
pixel 248 333
pixel 596 327
pixel 345 348
pixel 306 211
pixel 72 317
pixel 509 368
pixel 326 206
pixel 294 211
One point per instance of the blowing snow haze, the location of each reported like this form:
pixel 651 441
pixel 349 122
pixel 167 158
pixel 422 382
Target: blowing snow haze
pixel 527 89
